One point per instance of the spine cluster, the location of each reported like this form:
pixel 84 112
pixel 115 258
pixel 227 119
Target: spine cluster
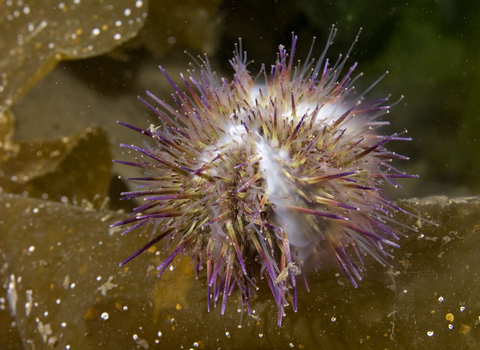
pixel 255 177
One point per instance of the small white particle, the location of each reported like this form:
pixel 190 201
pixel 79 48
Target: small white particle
pixel 76 2
pixel 72 286
pixel 36 210
pixel 440 299
pixel 104 316
pixel 125 308
pixel 405 291
pixel 58 301
pixel 450 326
pixel 462 308
pixel 127 12
pixel 159 334
pixel 45 313
pixel 26 9
pixel 260 335
pixel 67 347
pixel 118 23
pixel 195 344
pixel 63 324
pixel 117 36
pixel 430 333
pixel 291 345
pixel 31 249
pixel 29 303
pixel 99 278
pixel 61 5
pixel 95 31
pixel 135 337
pixel 333 318
pixel 227 334
pixel 138 4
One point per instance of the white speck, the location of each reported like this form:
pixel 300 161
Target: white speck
pixel 138 4
pixel 260 335
pixel 117 36
pixel 450 326
pixel 171 268
pixel 13 178
pixel 58 301
pixel 63 324
pixel 76 2
pixel 45 313
pixel 440 299
pixel 104 316
pixel 31 249
pixel 72 286
pixel 227 334
pixel 135 337
pixel 430 333
pixel 118 23
pixel 36 210
pixel 125 308
pixel 127 12
pixel 29 303
pixel 61 5
pixel 462 308
pixel 95 31
pixel 67 347
pixel 333 318
pixel 99 278
pixel 30 27
pixel 159 334
pixel 12 295
pixel 291 345
pixel 195 345
pixel 26 9
pixel 405 291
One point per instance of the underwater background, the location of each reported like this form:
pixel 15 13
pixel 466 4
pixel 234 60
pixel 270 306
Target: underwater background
pixel 67 77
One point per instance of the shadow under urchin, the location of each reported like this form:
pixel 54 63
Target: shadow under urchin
pixel 255 176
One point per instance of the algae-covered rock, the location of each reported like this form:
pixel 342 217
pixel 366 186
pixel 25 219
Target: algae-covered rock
pixel 62 283
pixel 76 167
pixel 36 35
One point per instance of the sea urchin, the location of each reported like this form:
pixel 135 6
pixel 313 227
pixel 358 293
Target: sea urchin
pixel 254 179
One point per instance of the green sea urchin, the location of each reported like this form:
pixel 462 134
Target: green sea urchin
pixel 254 179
